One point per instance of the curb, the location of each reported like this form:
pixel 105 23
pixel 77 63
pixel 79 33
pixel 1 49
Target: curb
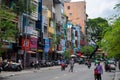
pixel 7 74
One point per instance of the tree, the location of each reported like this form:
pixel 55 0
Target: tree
pixel 19 6
pixel 96 28
pixel 8 28
pixel 66 54
pixel 110 42
pixel 87 50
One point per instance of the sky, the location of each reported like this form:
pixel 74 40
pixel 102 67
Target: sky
pixel 99 8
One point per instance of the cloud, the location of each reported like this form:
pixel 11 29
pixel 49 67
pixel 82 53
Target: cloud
pixel 99 8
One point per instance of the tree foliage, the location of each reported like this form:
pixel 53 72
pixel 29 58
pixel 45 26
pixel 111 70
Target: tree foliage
pixel 8 28
pixel 111 42
pixel 96 28
pixel 87 50
pixel 19 6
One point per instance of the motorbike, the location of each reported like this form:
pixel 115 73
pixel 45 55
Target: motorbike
pixel 89 65
pixel 12 66
pixel 63 67
pixel 0 69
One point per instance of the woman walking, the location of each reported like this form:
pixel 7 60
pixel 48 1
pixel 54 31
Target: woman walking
pixel 99 71
pixel 71 65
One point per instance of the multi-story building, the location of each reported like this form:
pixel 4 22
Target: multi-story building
pixel 57 21
pixel 76 12
pixel 29 35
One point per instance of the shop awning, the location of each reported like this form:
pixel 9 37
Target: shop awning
pixel 60 52
pixel 73 55
pixel 40 50
pixel 31 52
pixel 10 39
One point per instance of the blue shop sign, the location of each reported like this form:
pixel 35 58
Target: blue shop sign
pixel 47 45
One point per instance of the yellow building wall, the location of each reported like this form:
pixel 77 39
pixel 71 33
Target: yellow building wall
pixel 50 28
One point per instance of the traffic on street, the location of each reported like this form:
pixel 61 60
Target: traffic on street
pixel 59 40
pixel 80 72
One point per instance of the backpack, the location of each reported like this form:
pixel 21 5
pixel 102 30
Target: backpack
pixel 95 71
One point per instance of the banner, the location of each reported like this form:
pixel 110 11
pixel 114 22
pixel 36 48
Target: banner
pixel 33 43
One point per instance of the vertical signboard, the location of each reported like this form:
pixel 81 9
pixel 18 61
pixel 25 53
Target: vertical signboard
pixel 25 44
pixel 47 45
pixel 33 43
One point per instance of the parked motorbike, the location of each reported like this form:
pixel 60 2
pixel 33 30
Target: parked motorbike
pixel 0 69
pixel 12 66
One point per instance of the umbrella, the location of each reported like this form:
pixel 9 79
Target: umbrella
pixel 83 56
pixel 73 55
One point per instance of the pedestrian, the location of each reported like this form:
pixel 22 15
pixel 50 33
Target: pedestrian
pixel 95 73
pixel 100 71
pixel 36 64
pixel 71 63
pixel 20 62
pixel 119 64
pixel 62 65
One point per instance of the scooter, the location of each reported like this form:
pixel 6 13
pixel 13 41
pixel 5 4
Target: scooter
pixel 62 67
pixel 89 65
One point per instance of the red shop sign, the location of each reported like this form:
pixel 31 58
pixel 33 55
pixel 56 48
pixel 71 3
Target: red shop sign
pixel 25 44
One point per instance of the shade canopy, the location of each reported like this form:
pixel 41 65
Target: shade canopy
pixel 73 55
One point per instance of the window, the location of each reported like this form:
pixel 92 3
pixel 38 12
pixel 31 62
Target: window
pixel 70 14
pixel 68 7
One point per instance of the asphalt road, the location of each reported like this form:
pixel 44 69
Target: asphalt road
pixel 81 72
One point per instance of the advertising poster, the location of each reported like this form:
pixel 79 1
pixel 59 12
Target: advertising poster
pixel 33 43
pixel 25 44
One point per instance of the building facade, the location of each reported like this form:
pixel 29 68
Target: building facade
pixel 76 12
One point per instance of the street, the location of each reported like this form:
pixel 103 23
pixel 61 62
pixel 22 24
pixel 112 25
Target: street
pixel 81 72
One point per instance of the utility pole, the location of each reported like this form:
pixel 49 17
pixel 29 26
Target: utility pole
pixel 39 27
pixel 25 42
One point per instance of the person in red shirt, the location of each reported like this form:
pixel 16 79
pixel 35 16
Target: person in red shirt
pixel 95 73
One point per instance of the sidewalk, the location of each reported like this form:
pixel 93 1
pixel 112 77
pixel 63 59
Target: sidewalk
pixel 4 74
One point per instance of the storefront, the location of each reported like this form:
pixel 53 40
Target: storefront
pixel 8 51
